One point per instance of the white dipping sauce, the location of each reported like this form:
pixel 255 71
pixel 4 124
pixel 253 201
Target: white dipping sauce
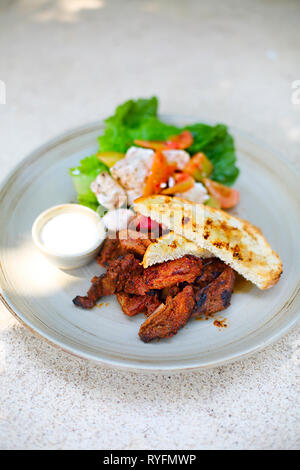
pixel 70 233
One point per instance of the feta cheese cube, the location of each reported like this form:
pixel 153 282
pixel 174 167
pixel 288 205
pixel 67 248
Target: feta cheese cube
pixel 108 192
pixel 118 219
pixel 179 157
pixel 197 193
pixel 133 170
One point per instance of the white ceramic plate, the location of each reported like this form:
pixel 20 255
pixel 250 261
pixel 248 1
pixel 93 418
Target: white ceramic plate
pixel 40 295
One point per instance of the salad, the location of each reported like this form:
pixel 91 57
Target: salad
pixel 140 155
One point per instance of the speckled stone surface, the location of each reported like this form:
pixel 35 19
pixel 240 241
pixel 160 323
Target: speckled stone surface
pixel 68 62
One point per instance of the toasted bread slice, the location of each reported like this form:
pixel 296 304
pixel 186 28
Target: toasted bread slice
pixel 238 243
pixel 172 246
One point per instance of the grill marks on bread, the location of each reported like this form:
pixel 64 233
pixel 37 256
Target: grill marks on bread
pixel 235 241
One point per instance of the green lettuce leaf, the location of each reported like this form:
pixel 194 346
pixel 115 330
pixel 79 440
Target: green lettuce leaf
pixel 218 146
pixel 83 175
pixel 121 128
pixel 132 113
pixel 153 129
pixel 86 201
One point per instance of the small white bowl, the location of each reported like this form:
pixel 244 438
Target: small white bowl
pixel 68 261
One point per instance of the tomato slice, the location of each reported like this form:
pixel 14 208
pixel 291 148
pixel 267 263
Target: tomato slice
pixel 227 197
pixel 160 173
pixel 180 141
pixel 199 166
pixel 146 224
pixel 184 182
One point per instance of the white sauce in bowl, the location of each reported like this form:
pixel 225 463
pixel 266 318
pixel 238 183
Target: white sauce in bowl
pixel 71 233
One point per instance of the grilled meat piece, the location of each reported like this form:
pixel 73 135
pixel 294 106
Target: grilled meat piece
pixel 169 318
pixel 111 282
pixel 170 273
pixel 170 291
pixel 134 304
pixel 212 268
pixel 216 295
pixel 134 242
pixel 128 241
pixel 111 249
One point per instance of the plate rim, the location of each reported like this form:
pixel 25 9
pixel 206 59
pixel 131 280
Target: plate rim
pixel 56 141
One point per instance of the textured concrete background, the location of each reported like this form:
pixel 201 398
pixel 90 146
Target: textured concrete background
pixel 68 62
